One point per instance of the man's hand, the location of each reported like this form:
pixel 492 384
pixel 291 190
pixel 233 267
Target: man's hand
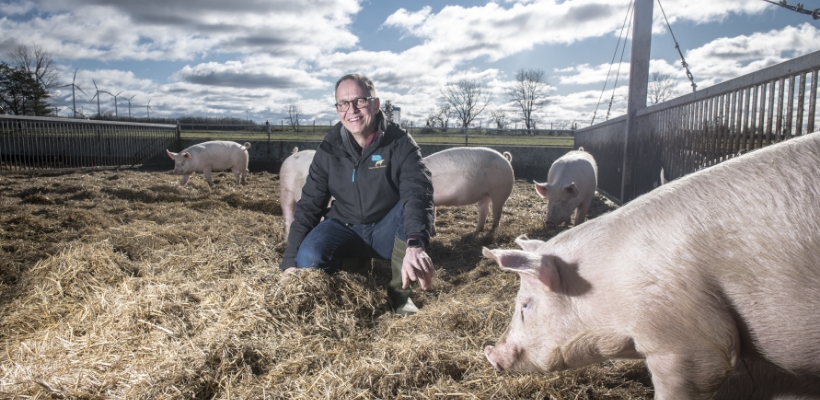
pixel 286 274
pixel 417 266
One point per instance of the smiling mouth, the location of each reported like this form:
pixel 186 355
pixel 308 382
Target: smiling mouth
pixel 355 119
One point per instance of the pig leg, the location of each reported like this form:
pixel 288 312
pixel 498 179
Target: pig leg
pixel 236 173
pixel 288 209
pixel 581 212
pixel 433 223
pixel 690 375
pixel 245 176
pixel 483 206
pixel 184 180
pixel 207 173
pixel 498 207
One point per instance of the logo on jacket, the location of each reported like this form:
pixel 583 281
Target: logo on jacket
pixel 378 161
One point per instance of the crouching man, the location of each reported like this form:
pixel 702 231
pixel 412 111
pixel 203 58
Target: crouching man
pixel 383 197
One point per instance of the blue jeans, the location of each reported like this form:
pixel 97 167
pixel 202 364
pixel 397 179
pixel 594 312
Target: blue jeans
pixel 328 242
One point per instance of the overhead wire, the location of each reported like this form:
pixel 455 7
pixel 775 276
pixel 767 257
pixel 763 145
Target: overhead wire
pixel 677 47
pixel 798 8
pixel 618 71
pixel 626 18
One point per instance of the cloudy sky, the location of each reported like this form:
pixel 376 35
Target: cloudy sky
pixel 251 59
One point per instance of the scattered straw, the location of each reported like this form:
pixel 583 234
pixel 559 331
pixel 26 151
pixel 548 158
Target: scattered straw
pixel 126 285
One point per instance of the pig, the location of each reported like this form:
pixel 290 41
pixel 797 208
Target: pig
pixel 571 184
pixel 471 175
pixel 709 278
pixel 217 155
pixel 292 176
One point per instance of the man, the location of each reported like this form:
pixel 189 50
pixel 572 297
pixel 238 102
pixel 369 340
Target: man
pixel 383 197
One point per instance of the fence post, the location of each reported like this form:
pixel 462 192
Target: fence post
pixel 638 83
pixel 179 137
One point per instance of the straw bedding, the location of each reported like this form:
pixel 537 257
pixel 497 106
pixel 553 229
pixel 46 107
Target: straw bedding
pixel 124 285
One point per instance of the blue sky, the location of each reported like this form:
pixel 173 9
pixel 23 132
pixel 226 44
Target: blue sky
pixel 254 58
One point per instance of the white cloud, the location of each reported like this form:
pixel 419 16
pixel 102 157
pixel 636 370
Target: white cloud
pixel 727 58
pixel 13 9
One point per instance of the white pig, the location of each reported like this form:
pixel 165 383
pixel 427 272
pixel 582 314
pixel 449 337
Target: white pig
pixel 702 277
pixel 570 186
pixel 292 176
pixel 471 175
pixel 217 155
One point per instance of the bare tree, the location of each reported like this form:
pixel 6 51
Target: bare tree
pixel 661 88
pixel 388 110
pixel 38 63
pixel 499 117
pixel 467 99
pixel 294 112
pixel 440 117
pixel 529 91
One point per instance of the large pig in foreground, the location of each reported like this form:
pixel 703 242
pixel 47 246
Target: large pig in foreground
pixel 292 176
pixel 472 175
pixel 704 277
pixel 211 156
pixel 570 186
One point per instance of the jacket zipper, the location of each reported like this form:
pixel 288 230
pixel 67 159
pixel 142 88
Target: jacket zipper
pixel 356 190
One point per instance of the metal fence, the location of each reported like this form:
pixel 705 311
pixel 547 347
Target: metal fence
pixel 38 143
pixel 704 128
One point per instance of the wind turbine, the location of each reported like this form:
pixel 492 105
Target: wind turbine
pixel 116 108
pixel 73 93
pixel 97 95
pixel 148 108
pixel 129 105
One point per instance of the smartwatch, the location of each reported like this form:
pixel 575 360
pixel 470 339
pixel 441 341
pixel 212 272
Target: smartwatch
pixel 415 243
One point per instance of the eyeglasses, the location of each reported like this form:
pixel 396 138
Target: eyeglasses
pixel 358 102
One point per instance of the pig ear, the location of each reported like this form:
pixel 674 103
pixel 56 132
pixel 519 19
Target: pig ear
pixel 571 190
pixel 527 265
pixel 541 188
pixel 187 155
pixel 527 244
pixel 172 155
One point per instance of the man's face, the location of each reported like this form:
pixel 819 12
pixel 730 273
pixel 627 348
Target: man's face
pixel 358 121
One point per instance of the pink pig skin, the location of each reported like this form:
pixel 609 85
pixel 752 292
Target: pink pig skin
pixel 713 279
pixel 472 175
pixel 292 176
pixel 212 156
pixel 570 187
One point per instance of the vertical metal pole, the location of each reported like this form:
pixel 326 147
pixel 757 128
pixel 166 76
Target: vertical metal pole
pixel 179 137
pixel 638 79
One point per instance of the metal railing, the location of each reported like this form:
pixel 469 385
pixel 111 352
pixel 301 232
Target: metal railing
pixel 39 143
pixel 706 127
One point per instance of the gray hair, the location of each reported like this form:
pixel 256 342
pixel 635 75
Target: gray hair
pixel 363 81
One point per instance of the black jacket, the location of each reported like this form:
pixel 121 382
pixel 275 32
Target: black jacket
pixel 365 187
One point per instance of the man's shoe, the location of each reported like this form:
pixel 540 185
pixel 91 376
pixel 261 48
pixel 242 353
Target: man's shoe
pixel 399 298
pixel 409 308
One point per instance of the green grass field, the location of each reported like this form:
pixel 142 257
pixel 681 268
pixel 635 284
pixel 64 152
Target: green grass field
pixel 435 138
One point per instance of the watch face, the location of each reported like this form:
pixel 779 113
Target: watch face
pixel 414 243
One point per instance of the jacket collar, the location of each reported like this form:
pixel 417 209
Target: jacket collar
pixel 337 142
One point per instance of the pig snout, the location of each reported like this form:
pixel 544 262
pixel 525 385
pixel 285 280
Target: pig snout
pixel 488 353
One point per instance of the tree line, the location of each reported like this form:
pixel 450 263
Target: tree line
pixel 26 82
